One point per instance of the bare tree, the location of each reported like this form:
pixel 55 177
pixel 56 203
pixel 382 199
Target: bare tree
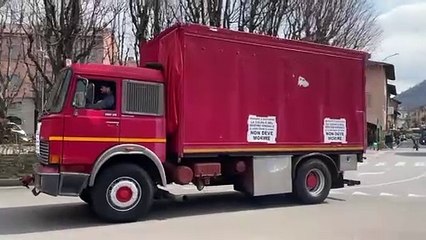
pixel 273 17
pixel 350 23
pixel 66 29
pixel 261 16
pixel 12 55
pixel 149 18
pixel 118 50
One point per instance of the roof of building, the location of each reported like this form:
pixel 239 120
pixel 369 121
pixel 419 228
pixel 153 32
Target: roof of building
pixel 389 68
pixel 391 89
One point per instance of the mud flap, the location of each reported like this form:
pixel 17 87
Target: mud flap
pixel 26 181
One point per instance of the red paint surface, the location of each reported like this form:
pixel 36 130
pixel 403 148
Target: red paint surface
pixel 216 79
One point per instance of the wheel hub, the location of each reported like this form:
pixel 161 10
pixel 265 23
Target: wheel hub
pixel 315 182
pixel 123 194
pixel 311 181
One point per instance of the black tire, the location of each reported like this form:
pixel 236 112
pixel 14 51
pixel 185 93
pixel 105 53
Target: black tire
pixel 85 196
pixel 106 203
pixel 322 187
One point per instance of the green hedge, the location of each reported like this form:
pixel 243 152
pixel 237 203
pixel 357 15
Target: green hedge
pixel 16 166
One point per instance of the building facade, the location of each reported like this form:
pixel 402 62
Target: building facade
pixel 21 93
pixel 378 94
pixel 417 117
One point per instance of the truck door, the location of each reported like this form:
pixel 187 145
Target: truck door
pixel 91 130
pixel 142 119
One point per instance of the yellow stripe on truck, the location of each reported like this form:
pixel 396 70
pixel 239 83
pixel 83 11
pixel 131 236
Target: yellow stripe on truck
pixel 106 139
pixel 278 149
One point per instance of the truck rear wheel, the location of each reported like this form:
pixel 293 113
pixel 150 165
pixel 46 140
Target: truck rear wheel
pixel 313 182
pixel 122 193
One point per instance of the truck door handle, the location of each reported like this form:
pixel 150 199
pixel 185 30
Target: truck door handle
pixel 112 123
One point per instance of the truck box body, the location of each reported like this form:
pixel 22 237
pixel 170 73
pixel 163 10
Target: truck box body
pixel 232 92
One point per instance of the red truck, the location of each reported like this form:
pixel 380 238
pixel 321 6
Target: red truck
pixel 208 107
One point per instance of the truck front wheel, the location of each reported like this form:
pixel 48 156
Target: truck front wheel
pixel 122 193
pixel 85 196
pixel 313 182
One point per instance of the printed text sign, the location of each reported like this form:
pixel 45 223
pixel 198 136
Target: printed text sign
pixel 334 130
pixel 262 129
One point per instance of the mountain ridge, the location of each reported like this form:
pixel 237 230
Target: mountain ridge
pixel 413 97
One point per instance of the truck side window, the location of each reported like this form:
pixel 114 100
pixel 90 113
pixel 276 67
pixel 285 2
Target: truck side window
pixel 101 95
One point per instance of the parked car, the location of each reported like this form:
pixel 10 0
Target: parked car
pixel 15 134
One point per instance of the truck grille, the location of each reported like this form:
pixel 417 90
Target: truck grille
pixel 44 152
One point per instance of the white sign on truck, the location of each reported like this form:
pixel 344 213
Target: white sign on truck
pixel 262 129
pixel 334 130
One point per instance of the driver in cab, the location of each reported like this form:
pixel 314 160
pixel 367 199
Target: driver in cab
pixel 108 100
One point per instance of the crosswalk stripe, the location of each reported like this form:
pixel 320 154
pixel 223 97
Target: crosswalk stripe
pixel 387 194
pixel 371 173
pixel 360 193
pixel 400 164
pixel 335 192
pixel 416 195
pixel 419 164
pixel 380 164
pixel 382 194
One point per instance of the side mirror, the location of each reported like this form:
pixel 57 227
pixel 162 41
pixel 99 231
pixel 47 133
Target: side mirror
pixel 80 93
pixel 90 93
pixel 79 100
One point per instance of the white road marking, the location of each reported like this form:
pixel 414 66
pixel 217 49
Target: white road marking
pixel 387 194
pixel 416 196
pixel 391 183
pixel 360 193
pixel 420 164
pixel 371 173
pixel 380 164
pixel 363 163
pixel 335 192
pixel 400 164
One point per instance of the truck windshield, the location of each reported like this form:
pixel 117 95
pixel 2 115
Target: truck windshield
pixel 57 96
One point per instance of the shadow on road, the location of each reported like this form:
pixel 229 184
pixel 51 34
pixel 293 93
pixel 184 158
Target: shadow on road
pixel 20 220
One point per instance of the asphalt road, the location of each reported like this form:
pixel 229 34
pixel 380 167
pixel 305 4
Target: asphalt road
pixel 390 204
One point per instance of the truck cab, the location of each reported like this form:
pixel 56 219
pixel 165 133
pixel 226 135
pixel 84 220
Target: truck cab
pixel 78 137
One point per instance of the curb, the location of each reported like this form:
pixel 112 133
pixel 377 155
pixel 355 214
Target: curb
pixel 10 182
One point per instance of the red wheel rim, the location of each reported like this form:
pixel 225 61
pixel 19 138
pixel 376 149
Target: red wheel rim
pixel 124 194
pixel 312 181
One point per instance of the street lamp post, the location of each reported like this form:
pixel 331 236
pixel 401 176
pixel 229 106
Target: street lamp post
pixel 392 55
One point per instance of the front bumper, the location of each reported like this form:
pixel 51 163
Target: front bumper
pixel 49 180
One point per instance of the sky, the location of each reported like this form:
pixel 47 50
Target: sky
pixel 404 26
